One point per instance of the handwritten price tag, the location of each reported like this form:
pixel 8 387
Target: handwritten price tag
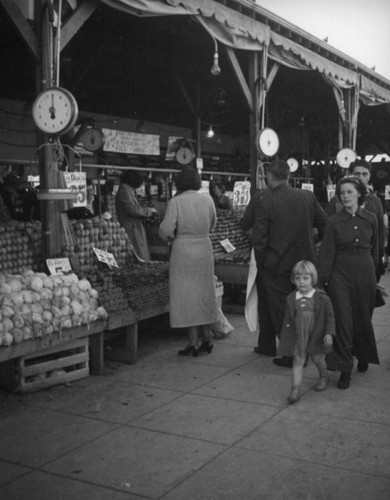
pixel 77 181
pixel 241 193
pixel 58 266
pixel 227 246
pixel 105 257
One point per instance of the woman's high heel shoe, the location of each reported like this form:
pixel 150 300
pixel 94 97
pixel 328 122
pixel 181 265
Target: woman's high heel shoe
pixel 206 347
pixel 190 349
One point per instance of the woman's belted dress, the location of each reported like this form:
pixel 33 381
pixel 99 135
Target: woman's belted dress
pixel 188 221
pixel 347 261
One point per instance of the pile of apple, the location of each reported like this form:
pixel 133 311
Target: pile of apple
pixel 98 233
pixel 20 246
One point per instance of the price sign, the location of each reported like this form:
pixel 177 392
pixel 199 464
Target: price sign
pixel 58 266
pixel 227 246
pixel 77 181
pixel 331 191
pixel 141 191
pixel 308 186
pixel 387 192
pixel 205 187
pixel 105 257
pixel 241 193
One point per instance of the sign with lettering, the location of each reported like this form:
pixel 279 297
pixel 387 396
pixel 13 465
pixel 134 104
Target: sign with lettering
pixel 308 186
pixel 105 257
pixel 120 141
pixel 227 245
pixel 77 181
pixel 58 266
pixel 241 193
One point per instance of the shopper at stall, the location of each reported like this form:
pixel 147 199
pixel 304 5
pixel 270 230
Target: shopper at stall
pixel 130 213
pixel 221 200
pixel 282 219
pixel 362 170
pixel 308 327
pixel 346 266
pixel 188 220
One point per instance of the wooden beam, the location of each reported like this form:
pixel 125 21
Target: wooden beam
pixel 76 21
pixel 23 27
pixel 271 75
pixel 240 77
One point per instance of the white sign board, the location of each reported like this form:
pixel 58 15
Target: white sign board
pixel 308 186
pixel 77 181
pixel 387 192
pixel 120 141
pixel 227 245
pixel 105 257
pixel 58 266
pixel 330 191
pixel 205 187
pixel 241 193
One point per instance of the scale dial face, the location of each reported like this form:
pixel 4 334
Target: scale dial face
pixel 93 139
pixel 184 155
pixel 267 142
pixel 293 164
pixel 345 157
pixel 55 111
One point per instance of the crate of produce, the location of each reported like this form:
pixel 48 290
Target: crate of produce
pixel 48 367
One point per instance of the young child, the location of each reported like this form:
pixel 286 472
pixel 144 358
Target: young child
pixel 308 327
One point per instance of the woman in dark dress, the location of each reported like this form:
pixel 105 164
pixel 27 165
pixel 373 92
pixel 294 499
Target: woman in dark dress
pixel 347 260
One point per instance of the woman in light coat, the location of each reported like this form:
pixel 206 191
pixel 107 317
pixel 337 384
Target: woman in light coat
pixel 189 218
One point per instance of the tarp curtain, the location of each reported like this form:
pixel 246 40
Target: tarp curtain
pixel 241 32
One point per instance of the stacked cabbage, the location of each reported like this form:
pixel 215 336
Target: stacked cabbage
pixel 34 304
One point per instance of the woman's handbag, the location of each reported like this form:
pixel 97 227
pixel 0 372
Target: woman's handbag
pixel 379 300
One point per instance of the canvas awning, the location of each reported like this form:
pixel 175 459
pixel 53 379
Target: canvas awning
pixel 239 31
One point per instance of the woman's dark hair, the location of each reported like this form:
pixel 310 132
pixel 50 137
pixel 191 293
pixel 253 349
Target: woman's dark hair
pixel 132 178
pixel 360 187
pixel 187 179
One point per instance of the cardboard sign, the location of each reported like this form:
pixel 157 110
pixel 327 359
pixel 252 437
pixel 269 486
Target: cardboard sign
pixel 227 246
pixel 77 181
pixel 58 266
pixel 105 257
pixel 308 186
pixel 241 193
pixel 331 191
pixel 120 141
pixel 205 187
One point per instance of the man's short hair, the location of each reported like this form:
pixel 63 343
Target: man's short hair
pixel 360 163
pixel 279 170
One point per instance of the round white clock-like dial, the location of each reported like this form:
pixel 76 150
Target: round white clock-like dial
pixel 345 157
pixel 55 111
pixel 267 142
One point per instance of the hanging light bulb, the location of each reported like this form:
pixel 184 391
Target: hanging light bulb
pixel 215 69
pixel 210 132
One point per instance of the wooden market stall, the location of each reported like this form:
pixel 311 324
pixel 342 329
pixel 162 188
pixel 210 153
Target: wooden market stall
pixel 135 79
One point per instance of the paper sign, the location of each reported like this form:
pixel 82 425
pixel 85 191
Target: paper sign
pixel 387 192
pixel 153 189
pixel 141 191
pixel 331 191
pixel 58 266
pixel 77 181
pixel 120 141
pixel 199 164
pixel 241 193
pixel 227 246
pixel 105 257
pixel 308 186
pixel 205 187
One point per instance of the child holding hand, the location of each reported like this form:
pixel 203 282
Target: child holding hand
pixel 308 327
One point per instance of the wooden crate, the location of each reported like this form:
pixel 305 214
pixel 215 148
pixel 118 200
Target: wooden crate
pixel 34 372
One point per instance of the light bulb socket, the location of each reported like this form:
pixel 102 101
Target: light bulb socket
pixel 215 69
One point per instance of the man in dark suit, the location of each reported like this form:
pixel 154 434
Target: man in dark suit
pixel 282 220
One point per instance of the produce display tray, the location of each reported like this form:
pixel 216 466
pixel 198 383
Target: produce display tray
pixel 47 367
pixel 56 339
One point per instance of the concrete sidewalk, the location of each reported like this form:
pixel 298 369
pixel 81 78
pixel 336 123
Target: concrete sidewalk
pixel 215 427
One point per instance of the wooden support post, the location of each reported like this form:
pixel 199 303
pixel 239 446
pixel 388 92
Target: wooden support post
pixel 131 343
pixel 96 360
